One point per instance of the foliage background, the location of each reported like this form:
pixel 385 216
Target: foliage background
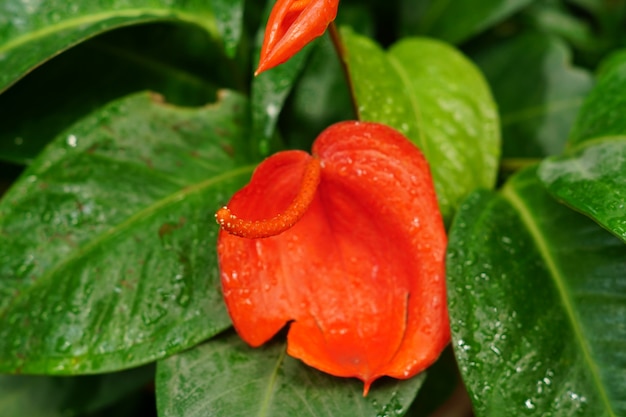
pixel 124 124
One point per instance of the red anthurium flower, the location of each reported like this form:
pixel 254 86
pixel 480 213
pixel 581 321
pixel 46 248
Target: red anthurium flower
pixel 292 25
pixel 348 246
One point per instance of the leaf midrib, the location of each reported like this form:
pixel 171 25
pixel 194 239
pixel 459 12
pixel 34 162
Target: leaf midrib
pixel 129 222
pixel 269 391
pixel 146 13
pixel 542 246
pixel 533 112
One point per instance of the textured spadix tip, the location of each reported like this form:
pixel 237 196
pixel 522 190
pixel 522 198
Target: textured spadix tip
pixel 222 214
pixel 258 229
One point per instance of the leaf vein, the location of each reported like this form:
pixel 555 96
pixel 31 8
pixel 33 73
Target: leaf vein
pixel 542 246
pixel 149 15
pixel 113 231
pixel 269 392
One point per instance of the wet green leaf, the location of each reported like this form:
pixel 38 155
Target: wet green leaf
pixel 107 241
pixel 536 298
pixel 229 20
pixel 175 61
pixel 455 21
pixel 33 32
pixel 45 396
pixel 591 177
pixel 602 113
pixel 538 92
pixel 225 377
pixel 592 180
pixel 438 99
pixel 270 90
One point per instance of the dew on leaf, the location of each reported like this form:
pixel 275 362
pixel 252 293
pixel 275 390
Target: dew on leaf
pixel 529 404
pixel 464 346
pixel 495 350
pixel 72 141
pixel 62 345
pixel 153 315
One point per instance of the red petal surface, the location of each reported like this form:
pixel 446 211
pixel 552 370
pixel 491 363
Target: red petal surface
pixel 291 26
pixel 361 275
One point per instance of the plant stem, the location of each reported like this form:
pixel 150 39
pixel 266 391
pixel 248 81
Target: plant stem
pixel 512 165
pixel 341 54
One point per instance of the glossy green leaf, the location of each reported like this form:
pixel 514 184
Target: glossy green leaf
pixel 107 241
pixel 602 113
pixel 45 396
pixel 229 20
pixel 270 90
pixel 591 177
pixel 175 61
pixel 455 21
pixel 225 377
pixel 33 32
pixel 538 95
pixel 592 180
pixel 438 99
pixel 536 298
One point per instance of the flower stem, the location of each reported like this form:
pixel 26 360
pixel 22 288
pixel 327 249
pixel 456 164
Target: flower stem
pixel 341 54
pixel 512 165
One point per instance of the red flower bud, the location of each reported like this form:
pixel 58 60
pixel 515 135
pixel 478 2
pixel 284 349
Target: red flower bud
pixel 348 246
pixel 292 25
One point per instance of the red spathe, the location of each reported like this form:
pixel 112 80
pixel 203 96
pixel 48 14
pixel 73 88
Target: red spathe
pixel 361 275
pixel 291 26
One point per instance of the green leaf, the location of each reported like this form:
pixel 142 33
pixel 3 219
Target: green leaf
pixel 438 99
pixel 538 96
pixel 270 90
pixel 225 377
pixel 592 180
pixel 175 61
pixel 536 300
pixel 107 241
pixel 44 396
pixel 32 33
pixel 455 21
pixel 591 176
pixel 229 19
pixel 602 112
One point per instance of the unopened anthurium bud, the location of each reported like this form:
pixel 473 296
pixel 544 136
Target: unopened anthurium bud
pixel 291 26
pixel 347 246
